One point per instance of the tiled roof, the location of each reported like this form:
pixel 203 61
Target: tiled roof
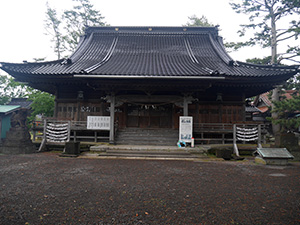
pixel 252 109
pixel 142 52
pixel 263 102
pixel 23 102
pixel 264 109
pixel 289 94
pixel 6 109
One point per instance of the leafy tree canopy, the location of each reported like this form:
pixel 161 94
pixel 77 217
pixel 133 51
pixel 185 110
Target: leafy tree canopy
pixel 195 21
pixel 66 29
pixel 11 89
pixel 52 26
pixel 264 18
pixel 264 61
pixel 288 113
pixel 43 103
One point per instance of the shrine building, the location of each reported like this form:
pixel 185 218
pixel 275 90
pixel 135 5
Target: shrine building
pixel 145 78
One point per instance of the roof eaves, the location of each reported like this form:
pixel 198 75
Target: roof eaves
pixel 294 68
pixel 148 77
pixel 7 109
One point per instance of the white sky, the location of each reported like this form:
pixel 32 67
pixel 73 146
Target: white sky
pixel 23 36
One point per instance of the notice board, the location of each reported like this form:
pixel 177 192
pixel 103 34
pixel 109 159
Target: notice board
pixel 98 122
pixel 185 128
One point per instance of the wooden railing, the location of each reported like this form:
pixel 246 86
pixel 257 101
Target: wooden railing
pixel 203 133
pixel 78 132
pixel 219 133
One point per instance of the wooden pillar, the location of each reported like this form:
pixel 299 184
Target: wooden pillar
pixel 55 108
pixel 78 111
pixel 244 107
pixel 75 137
pixel 95 136
pixel 185 106
pixel 197 113
pixel 0 129
pixel 125 115
pixel 55 104
pixel 220 108
pixel 259 136
pixel 69 131
pixel 112 119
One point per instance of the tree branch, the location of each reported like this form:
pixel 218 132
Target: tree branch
pixel 283 39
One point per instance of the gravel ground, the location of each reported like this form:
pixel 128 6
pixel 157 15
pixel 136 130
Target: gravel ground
pixel 46 189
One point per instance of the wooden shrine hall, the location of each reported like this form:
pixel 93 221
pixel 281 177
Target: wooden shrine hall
pixel 145 78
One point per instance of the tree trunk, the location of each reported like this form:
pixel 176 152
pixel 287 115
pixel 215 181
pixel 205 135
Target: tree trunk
pixel 276 127
pixel 275 95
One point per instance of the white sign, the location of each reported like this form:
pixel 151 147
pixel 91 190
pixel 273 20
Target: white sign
pixel 186 128
pixel 98 122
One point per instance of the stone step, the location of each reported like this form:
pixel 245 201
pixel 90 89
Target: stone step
pixel 137 136
pixel 158 153
pixel 146 136
pixel 149 152
pixel 146 142
pixel 147 129
pixel 147 148
pixel 131 155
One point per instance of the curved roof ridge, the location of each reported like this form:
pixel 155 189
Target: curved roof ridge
pixel 190 51
pixel 105 59
pixel 152 29
pixel 222 47
pixel 81 46
pixel 222 54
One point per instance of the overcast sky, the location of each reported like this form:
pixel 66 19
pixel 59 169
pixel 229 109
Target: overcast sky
pixel 23 35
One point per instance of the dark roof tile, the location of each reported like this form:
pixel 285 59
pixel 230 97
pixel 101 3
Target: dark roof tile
pixel 150 51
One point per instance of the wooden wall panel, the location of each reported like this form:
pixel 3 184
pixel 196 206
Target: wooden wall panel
pixel 79 111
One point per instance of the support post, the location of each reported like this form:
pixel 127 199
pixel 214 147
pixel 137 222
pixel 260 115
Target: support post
pixel 235 148
pixel 33 126
pixel 185 106
pixel 112 119
pixel 75 138
pixel 56 104
pixel 69 131
pixel 259 136
pixel 223 135
pixel 0 131
pixel 43 144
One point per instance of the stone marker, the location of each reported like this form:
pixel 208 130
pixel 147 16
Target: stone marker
pixel 18 139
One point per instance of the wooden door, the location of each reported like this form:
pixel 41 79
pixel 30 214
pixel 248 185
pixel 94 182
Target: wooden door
pixel 149 116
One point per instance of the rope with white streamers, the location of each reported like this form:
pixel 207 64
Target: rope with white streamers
pixel 57 132
pixel 243 134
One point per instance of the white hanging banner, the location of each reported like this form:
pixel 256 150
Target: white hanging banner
pixel 185 128
pixel 98 122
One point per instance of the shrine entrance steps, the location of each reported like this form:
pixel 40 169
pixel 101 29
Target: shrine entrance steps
pixel 147 152
pixel 142 136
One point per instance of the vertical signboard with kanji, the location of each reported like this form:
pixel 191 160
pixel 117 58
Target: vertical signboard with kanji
pixel 185 128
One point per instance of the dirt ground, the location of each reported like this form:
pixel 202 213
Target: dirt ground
pixel 46 189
